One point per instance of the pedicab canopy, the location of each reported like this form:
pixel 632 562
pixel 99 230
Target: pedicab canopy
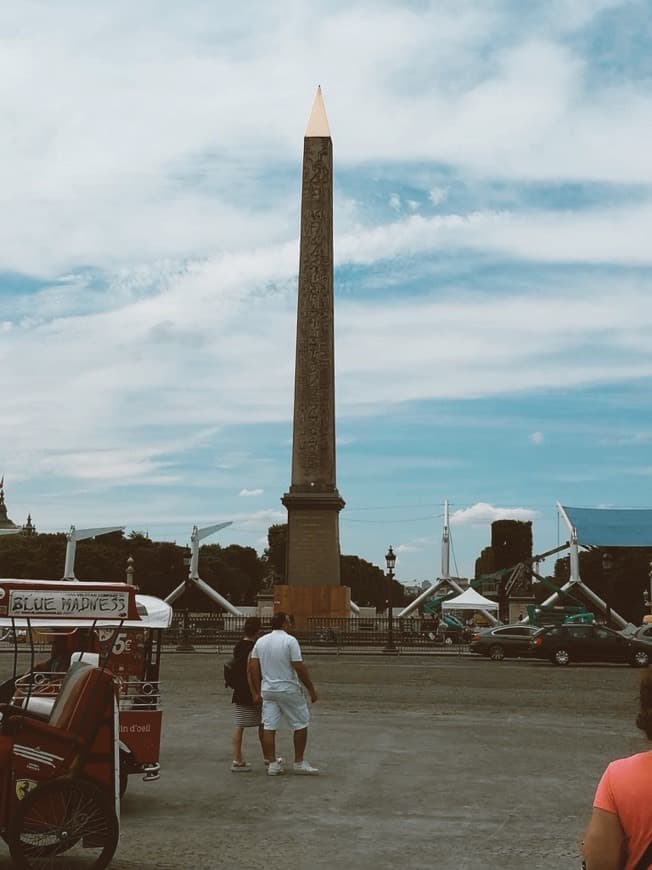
pixel 598 527
pixel 42 603
pixel 469 600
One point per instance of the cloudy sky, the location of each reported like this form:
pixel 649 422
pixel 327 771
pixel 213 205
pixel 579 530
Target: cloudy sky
pixel 493 216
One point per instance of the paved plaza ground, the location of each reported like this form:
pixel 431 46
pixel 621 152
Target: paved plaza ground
pixel 452 762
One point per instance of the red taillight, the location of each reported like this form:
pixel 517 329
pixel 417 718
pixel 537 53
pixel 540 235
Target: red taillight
pixel 475 637
pixel 537 641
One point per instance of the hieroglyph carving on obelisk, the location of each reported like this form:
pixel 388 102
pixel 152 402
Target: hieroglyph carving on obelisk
pixel 313 502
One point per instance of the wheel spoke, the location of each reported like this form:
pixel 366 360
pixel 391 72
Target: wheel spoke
pixel 65 824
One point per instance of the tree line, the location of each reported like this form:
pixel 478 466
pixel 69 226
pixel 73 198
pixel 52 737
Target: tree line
pixel 237 573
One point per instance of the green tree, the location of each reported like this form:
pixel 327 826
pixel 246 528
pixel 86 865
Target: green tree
pixel 32 556
pixel 235 572
pixel 275 552
pixel 368 583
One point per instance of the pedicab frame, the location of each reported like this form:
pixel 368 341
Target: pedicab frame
pixel 127 642
pixel 117 635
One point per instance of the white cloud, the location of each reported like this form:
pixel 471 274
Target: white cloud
pixel 486 348
pixel 630 439
pixel 537 437
pixel 125 373
pixel 482 514
pixel 438 195
pixel 395 202
pixel 259 521
pixel 250 492
pixel 600 235
pixel 134 464
pixel 122 147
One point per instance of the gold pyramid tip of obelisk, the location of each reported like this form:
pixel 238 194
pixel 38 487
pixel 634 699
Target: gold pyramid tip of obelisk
pixel 318 122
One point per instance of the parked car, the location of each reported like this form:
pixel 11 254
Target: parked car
pixel 503 640
pixel 589 643
pixel 642 632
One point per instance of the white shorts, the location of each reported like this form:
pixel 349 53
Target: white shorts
pixel 290 706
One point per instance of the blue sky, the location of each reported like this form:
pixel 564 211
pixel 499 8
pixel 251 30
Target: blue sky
pixel 493 210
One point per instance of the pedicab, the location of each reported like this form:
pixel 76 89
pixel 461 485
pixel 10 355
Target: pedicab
pixel 59 735
pixel 104 625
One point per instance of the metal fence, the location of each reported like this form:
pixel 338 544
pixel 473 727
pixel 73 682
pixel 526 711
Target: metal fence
pixel 217 629
pixel 406 633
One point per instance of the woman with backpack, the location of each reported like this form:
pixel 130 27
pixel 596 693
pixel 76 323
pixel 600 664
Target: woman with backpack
pixel 246 713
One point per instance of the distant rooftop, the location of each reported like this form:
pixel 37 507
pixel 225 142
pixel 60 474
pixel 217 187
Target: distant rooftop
pixel 5 522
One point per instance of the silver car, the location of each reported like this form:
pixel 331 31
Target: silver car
pixel 503 640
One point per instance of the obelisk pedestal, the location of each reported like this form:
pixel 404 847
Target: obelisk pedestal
pixel 313 502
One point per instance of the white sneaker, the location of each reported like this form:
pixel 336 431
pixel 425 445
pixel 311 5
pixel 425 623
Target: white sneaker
pixel 305 768
pixel 276 768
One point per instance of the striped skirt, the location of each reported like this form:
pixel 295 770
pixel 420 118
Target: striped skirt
pixel 247 716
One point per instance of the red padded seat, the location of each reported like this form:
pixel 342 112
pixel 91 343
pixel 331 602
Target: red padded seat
pixel 82 700
pixel 77 737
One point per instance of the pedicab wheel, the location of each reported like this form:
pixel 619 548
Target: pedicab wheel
pixel 64 824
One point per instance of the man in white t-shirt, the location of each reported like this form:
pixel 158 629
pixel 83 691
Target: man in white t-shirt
pixel 276 671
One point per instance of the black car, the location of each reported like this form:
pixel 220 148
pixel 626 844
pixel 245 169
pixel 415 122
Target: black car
pixel 589 643
pixel 643 632
pixel 503 640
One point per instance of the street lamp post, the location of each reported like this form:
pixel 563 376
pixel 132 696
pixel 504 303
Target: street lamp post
pixel 390 559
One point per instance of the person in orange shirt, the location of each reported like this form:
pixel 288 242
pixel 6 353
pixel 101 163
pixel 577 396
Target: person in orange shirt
pixel 619 834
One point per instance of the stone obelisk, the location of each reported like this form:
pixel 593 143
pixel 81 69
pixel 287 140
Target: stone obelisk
pixel 313 502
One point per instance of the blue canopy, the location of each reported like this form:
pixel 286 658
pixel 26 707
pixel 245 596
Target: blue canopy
pixel 611 528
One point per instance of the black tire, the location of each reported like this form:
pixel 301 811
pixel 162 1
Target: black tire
pixel 68 816
pixel 496 652
pixel 560 657
pixel 640 659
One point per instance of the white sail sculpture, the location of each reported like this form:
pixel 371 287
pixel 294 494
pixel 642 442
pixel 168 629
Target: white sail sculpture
pixel 445 576
pixel 194 579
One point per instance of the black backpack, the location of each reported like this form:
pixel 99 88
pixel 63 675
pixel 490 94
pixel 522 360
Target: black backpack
pixel 230 674
pixel 235 674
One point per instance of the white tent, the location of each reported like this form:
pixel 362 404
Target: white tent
pixel 469 600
